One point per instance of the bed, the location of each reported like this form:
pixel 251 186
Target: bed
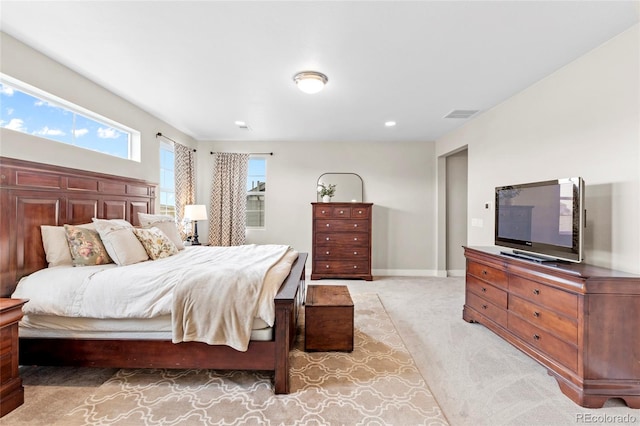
pixel 34 194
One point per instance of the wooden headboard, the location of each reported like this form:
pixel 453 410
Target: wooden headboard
pixel 34 194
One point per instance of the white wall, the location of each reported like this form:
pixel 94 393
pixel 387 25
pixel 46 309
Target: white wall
pixel 399 178
pixel 583 120
pixel 24 63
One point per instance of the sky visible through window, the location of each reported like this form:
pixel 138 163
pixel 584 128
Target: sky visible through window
pixel 256 174
pixel 28 114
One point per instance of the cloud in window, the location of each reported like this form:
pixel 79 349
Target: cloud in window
pixel 15 124
pixel 6 90
pixel 80 132
pixel 46 131
pixel 107 133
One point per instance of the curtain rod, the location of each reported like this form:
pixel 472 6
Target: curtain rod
pixel 160 135
pixel 251 153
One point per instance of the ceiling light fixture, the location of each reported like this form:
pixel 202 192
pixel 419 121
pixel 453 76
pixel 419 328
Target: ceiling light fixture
pixel 310 81
pixel 390 123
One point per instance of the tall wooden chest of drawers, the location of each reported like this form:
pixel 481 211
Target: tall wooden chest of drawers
pixel 342 240
pixel 579 321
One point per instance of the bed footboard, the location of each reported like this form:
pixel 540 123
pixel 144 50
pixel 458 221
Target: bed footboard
pixel 268 356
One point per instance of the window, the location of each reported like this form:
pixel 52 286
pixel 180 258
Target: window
pixel 167 180
pixel 32 111
pixel 256 191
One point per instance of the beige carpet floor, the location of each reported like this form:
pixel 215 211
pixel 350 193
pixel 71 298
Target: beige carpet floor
pixel 476 377
pixel 377 384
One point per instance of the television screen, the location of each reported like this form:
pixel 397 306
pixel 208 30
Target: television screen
pixel 541 218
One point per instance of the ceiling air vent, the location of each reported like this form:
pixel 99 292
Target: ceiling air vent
pixel 461 113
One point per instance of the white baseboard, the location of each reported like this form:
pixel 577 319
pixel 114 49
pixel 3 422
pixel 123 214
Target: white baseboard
pixel 412 273
pixel 405 272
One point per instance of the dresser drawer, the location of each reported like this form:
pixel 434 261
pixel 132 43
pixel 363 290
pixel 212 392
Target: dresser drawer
pixel 360 212
pixel 493 294
pixel 352 239
pixel 341 212
pixel 563 327
pixel 487 273
pixel 340 253
pixel 345 267
pixel 486 308
pixel 541 294
pixel 322 211
pixel 559 350
pixel 342 225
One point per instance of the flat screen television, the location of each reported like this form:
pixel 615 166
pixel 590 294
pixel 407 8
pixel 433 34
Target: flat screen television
pixel 541 221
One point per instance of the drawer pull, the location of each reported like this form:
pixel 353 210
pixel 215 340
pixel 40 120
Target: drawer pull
pixel 355 252
pixel 484 289
pixel 355 266
pixel 328 225
pixel 359 211
pixel 327 238
pixel 327 266
pixel 323 212
pixel 355 225
pixel 355 239
pixel 484 272
pixel 536 337
pixel 536 291
pixel 341 211
pixel 484 307
pixel 327 253
pixel 536 314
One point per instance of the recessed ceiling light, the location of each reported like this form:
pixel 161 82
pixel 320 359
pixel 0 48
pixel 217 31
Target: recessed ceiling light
pixel 390 123
pixel 310 81
pixel 241 125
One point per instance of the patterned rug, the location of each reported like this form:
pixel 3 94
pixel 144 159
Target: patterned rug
pixel 377 384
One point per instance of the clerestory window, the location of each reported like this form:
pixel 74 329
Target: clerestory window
pixel 29 110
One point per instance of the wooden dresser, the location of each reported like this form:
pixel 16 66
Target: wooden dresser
pixel 342 240
pixel 579 321
pixel 11 390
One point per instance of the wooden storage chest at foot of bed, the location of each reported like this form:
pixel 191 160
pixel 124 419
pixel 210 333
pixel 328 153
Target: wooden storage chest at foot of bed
pixel 328 319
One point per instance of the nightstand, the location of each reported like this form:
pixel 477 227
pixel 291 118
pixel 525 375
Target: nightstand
pixel 11 390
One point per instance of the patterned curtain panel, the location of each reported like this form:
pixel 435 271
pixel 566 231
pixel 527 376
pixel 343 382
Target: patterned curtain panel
pixel 185 181
pixel 228 200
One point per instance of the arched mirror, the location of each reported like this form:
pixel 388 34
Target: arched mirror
pixel 348 187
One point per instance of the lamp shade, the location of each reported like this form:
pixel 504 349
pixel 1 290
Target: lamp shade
pixel 195 212
pixel 310 81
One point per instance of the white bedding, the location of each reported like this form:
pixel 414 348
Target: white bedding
pixel 147 289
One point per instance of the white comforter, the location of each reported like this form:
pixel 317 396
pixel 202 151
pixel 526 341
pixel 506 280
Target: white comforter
pixel 212 293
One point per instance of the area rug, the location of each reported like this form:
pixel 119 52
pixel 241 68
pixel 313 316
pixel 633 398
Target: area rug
pixel 376 384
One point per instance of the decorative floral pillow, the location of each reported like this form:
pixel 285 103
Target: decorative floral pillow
pixel 85 246
pixel 155 242
pixel 56 247
pixel 165 223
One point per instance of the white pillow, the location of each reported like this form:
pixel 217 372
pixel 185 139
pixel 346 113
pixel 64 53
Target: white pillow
pixel 56 247
pixel 165 223
pixel 120 241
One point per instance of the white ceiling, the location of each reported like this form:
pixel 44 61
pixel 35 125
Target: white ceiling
pixel 202 65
